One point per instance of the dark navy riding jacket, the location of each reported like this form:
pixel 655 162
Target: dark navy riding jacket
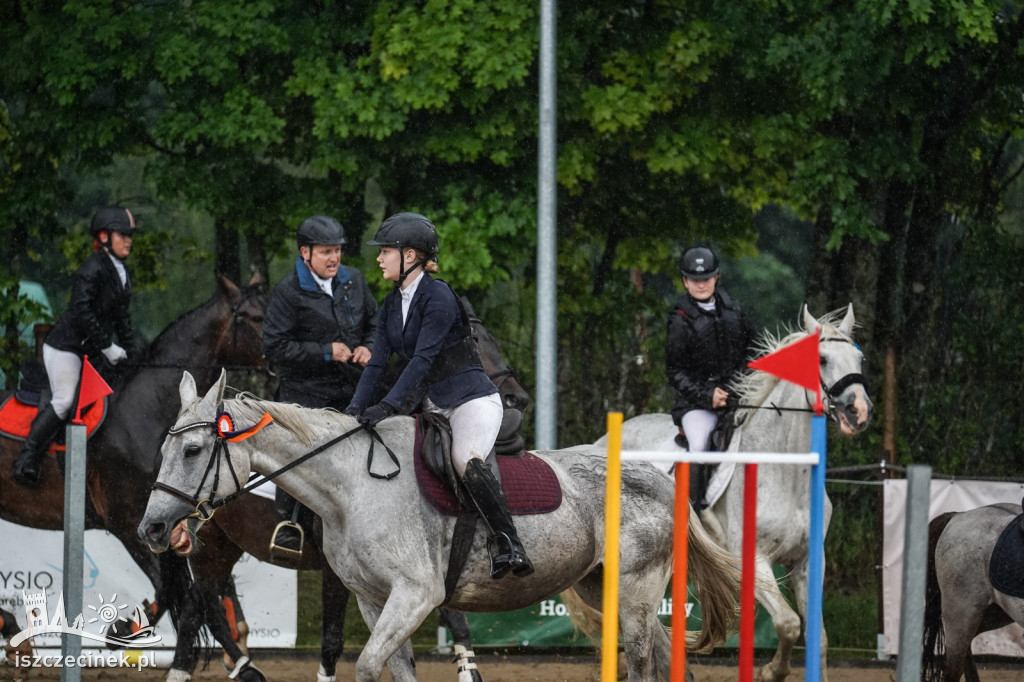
pixel 97 312
pixel 431 328
pixel 300 325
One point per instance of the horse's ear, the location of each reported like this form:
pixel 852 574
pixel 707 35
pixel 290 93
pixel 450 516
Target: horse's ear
pixel 810 322
pixel 229 289
pixel 214 396
pixel 846 326
pixel 187 389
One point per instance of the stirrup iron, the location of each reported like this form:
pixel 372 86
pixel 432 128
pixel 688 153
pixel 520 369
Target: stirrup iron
pixel 284 555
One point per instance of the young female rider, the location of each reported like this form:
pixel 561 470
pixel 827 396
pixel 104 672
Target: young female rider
pixel 710 339
pixel 422 323
pixel 96 315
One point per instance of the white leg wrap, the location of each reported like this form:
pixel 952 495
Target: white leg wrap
pixel 322 676
pixel 175 675
pixel 238 667
pixel 466 661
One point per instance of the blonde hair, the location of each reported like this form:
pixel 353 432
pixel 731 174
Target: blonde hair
pixel 429 266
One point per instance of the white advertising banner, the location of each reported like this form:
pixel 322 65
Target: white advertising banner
pixel 946 496
pixel 31 567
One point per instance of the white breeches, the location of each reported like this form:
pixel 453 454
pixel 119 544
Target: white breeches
pixel 64 370
pixel 698 425
pixel 475 427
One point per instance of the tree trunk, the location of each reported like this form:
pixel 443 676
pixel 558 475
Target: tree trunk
pixel 228 261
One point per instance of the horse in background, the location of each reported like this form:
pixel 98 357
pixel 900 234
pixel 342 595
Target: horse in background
pixel 960 599
pixel 247 525
pixel 124 453
pixel 783 490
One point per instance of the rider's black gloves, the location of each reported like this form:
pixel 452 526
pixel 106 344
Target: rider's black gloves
pixel 374 414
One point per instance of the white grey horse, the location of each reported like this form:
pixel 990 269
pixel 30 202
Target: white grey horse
pixel 391 547
pixel 783 490
pixel 961 602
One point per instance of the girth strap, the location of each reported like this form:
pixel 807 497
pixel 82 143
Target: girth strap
pixel 462 542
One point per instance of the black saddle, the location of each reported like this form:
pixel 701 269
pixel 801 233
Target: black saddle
pixel 437 447
pixel 34 383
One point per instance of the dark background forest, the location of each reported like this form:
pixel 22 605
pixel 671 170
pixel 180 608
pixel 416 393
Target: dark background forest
pixel 866 152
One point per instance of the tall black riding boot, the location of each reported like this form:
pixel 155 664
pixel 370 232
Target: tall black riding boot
pixel 698 485
pixel 507 553
pixel 44 427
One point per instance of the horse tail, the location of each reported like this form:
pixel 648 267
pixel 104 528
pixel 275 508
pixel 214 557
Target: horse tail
pixel 586 619
pixel 934 645
pixel 715 573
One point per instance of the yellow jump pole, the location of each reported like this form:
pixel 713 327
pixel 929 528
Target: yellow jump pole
pixel 612 513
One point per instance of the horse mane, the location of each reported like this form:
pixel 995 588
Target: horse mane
pixel 247 409
pixel 753 387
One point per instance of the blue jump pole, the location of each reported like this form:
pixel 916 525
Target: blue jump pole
pixel 816 553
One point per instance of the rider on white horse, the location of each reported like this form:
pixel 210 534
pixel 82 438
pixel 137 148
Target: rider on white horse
pixel 710 339
pixel 421 321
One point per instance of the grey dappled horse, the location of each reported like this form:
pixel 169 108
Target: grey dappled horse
pixel 391 547
pixel 783 490
pixel 961 603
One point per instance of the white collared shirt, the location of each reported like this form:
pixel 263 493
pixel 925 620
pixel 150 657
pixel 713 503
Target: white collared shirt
pixel 324 284
pixel 119 266
pixel 407 294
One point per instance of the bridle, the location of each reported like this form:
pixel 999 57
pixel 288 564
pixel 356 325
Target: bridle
pixel 225 433
pixel 829 393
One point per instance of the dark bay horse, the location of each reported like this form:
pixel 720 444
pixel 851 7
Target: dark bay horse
pixel 124 454
pixel 960 601
pixel 248 523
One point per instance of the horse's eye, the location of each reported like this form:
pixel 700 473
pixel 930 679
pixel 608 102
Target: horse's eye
pixel 823 361
pixel 192 451
pixel 258 319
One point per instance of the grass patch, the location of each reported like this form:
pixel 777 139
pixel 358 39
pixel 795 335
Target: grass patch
pixel 310 616
pixel 851 619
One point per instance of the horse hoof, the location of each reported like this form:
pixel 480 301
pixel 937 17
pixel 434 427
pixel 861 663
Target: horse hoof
pixel 251 673
pixel 175 675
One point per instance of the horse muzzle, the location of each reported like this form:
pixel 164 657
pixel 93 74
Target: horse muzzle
pixel 854 415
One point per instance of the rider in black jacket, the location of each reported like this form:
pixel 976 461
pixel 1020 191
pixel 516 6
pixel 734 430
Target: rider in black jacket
pixel 95 323
pixel 317 335
pixel 710 340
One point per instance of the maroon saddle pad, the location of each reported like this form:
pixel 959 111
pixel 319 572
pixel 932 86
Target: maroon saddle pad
pixel 530 485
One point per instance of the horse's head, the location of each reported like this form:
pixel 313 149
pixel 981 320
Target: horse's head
pixel 511 391
pixel 240 341
pixel 843 385
pixel 197 470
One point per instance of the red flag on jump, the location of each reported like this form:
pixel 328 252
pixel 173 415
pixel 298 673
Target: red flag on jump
pixel 91 388
pixel 796 363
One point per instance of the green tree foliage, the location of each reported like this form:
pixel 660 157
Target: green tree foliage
pixel 871 138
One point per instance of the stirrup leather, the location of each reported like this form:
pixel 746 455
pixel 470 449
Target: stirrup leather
pixel 284 554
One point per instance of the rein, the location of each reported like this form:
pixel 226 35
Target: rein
pixel 256 480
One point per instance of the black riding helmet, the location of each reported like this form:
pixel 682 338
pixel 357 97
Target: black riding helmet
pixel 408 231
pixel 320 230
pixel 698 263
pixel 112 219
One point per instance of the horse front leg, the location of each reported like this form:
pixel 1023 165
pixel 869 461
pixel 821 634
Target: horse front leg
pixel 332 629
pixel 799 582
pixel 403 612
pixel 784 618
pixel 465 659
